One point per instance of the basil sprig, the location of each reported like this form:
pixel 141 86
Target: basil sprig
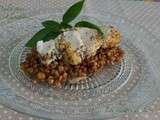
pixel 38 36
pixel 52 29
pixel 73 12
pixel 55 26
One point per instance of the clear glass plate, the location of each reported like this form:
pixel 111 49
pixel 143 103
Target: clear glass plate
pixel 114 90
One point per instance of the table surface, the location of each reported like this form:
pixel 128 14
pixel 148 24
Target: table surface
pixel 145 14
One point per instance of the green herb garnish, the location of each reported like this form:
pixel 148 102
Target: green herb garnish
pixel 73 12
pixel 52 29
pixel 65 26
pixel 89 25
pixel 38 36
pixel 51 35
pixel 55 26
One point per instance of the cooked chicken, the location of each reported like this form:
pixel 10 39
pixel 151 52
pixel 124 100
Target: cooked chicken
pixel 112 39
pixel 77 44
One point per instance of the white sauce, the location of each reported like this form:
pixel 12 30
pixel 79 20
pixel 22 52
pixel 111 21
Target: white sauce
pixel 45 47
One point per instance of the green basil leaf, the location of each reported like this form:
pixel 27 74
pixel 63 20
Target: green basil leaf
pixel 51 35
pixel 38 36
pixel 73 12
pixel 64 26
pixel 89 25
pixel 53 25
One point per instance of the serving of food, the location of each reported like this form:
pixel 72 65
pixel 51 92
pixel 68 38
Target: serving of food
pixel 62 53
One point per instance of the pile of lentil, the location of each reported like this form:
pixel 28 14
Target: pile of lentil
pixel 58 73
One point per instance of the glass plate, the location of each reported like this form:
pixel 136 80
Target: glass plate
pixel 114 90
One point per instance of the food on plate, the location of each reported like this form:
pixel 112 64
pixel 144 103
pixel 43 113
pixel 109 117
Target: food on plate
pixel 62 53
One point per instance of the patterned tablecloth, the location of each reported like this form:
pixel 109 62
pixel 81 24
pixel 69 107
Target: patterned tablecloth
pixel 145 14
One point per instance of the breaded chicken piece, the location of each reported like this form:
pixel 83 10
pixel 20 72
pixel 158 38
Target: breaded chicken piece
pixel 112 39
